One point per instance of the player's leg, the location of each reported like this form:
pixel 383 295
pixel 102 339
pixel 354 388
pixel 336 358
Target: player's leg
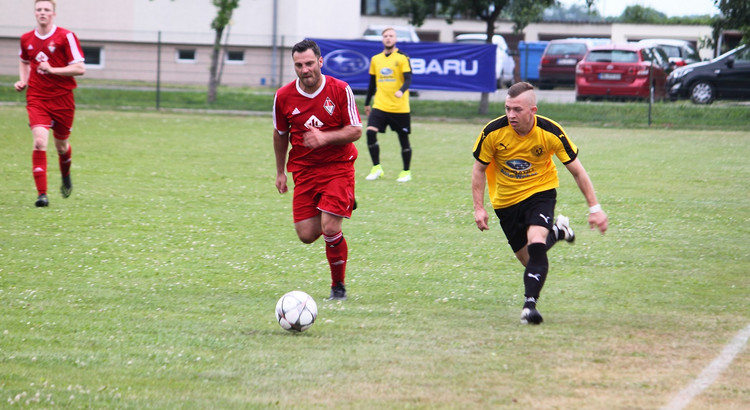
pixel 337 253
pixel 402 124
pixel 537 216
pixel 63 124
pixel 375 125
pixel 39 122
pixel 337 203
pixel 39 164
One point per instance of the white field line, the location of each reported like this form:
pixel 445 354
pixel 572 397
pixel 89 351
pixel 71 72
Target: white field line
pixel 711 372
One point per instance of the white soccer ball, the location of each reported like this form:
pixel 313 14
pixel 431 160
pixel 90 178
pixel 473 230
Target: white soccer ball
pixel 296 311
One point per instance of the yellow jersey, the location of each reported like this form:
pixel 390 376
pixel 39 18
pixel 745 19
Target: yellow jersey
pixel 520 166
pixel 389 77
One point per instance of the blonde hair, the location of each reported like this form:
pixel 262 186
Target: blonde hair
pixel 54 4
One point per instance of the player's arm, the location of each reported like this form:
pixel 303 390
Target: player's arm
pixel 24 69
pixel 478 182
pixel 405 86
pixel 597 217
pixel 316 138
pixel 371 87
pixel 70 70
pixel 280 148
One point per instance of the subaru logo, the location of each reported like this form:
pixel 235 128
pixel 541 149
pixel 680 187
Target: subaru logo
pixel 346 62
pixel 518 164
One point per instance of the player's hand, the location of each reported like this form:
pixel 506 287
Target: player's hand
pixel 598 220
pixel 367 110
pixel 399 94
pixel 44 68
pixel 19 85
pixel 281 183
pixel 481 218
pixel 314 138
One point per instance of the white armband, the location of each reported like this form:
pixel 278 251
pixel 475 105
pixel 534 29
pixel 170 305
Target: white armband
pixel 595 208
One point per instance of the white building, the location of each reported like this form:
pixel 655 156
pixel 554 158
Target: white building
pixel 132 40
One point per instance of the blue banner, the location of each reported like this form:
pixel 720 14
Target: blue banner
pixel 435 66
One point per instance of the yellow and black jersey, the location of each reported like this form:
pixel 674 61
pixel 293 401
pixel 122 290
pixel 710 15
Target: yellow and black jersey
pixel 519 167
pixel 389 77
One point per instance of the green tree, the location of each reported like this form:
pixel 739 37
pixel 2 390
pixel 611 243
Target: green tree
pixel 225 8
pixel 640 14
pixel 520 11
pixel 735 14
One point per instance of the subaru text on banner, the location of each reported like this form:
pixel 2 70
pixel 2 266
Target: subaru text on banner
pixel 434 66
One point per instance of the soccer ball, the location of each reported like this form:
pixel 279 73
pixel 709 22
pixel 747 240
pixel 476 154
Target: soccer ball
pixel 296 311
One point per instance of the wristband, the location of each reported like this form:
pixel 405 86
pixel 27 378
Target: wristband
pixel 595 208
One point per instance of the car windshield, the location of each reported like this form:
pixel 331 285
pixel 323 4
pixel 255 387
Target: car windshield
pixel 612 56
pixel 566 48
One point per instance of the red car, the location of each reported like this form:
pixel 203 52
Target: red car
pixel 557 65
pixel 621 71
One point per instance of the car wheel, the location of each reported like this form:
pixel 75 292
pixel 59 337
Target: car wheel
pixel 702 92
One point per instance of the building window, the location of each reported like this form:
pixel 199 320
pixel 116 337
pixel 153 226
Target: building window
pixel 377 8
pixel 94 56
pixel 186 55
pixel 234 57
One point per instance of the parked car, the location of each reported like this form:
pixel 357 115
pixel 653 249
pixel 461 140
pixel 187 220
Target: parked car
pixel 403 33
pixel 558 63
pixel 505 66
pixel 726 76
pixel 621 71
pixel 680 52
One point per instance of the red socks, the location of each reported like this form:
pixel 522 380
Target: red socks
pixel 337 252
pixel 39 169
pixel 65 160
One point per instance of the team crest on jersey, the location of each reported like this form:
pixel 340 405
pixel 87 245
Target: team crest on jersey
pixel 41 57
pixel 51 47
pixel 329 106
pixel 313 122
pixel 538 150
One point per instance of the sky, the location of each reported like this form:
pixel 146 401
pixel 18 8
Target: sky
pixel 672 8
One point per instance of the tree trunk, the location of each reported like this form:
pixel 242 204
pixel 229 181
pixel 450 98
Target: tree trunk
pixel 213 79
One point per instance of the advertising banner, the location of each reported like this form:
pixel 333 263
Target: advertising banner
pixel 435 66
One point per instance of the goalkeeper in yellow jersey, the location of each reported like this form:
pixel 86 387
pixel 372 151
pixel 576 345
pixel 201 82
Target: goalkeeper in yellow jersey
pixel 513 157
pixel 390 78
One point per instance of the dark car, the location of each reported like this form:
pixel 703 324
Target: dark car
pixel 557 65
pixel 621 71
pixel 726 76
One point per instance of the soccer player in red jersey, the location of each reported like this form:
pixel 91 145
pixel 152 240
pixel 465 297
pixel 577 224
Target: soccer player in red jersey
pixel 317 115
pixel 50 57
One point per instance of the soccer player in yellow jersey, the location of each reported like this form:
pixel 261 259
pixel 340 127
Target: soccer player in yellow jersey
pixel 390 78
pixel 514 159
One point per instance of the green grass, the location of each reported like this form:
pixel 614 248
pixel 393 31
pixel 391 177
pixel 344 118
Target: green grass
pixel 101 94
pixel 154 284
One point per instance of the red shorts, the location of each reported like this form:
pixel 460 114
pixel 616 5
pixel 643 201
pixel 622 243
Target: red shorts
pixel 328 189
pixel 55 113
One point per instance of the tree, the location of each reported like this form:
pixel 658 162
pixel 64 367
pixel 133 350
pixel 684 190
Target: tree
pixel 485 10
pixel 220 22
pixel 640 14
pixel 735 14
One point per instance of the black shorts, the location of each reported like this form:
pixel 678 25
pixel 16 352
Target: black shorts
pixel 538 209
pixel 399 122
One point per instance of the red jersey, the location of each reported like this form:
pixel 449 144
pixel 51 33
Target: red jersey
pixel 332 106
pixel 60 48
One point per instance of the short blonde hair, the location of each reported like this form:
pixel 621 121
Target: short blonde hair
pixel 54 4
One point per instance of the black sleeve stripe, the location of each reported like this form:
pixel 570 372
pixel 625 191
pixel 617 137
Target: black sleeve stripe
pixel 408 60
pixel 547 125
pixel 491 126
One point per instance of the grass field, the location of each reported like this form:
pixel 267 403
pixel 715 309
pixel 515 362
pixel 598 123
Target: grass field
pixel 154 285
